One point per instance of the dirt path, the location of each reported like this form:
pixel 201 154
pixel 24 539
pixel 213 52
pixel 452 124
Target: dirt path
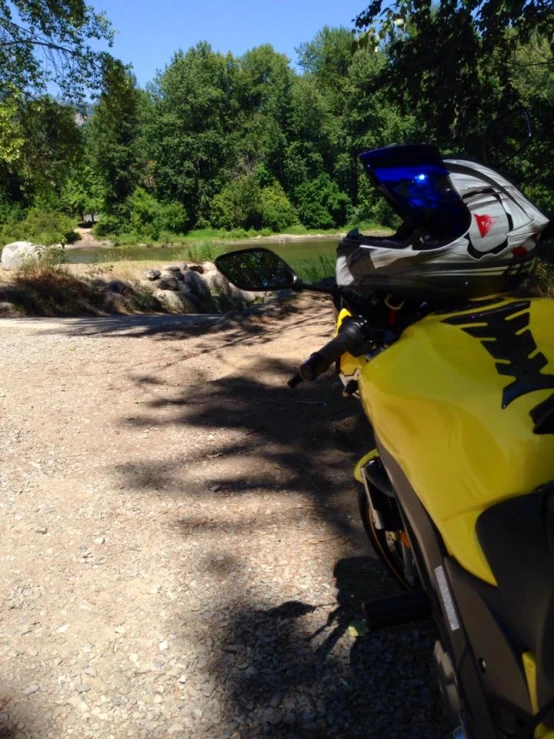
pixel 181 553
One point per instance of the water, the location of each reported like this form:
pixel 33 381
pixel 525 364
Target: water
pixel 303 256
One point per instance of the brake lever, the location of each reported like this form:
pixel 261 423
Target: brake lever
pixel 294 381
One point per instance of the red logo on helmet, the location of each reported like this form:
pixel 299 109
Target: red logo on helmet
pixel 485 223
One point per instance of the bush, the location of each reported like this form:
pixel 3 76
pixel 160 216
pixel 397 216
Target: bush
pixel 278 213
pixel 108 225
pixel 321 204
pixel 238 205
pixel 41 227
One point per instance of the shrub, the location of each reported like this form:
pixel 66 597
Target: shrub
pixel 321 204
pixel 238 205
pixel 277 211
pixel 42 227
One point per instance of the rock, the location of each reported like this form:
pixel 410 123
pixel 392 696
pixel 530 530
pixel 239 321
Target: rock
pixel 175 301
pixel 41 530
pixel 82 687
pixel 90 671
pixel 118 286
pixel 18 252
pixel 7 308
pixel 99 540
pixel 184 267
pixel 163 646
pixel 30 689
pixel 168 283
pixel 220 285
pixel 62 629
pixel 152 274
pixel 196 284
pixel 208 267
pixel 116 303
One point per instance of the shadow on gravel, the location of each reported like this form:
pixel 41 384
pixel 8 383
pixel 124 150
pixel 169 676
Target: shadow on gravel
pixel 305 684
pixel 293 670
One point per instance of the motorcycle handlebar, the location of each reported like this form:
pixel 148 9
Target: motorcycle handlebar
pixel 351 338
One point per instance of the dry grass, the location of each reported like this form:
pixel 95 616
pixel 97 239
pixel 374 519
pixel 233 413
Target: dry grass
pixel 47 288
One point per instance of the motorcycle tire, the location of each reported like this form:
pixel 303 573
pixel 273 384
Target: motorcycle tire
pixel 386 544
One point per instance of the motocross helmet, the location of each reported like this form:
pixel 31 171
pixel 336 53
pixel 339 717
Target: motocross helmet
pixel 466 231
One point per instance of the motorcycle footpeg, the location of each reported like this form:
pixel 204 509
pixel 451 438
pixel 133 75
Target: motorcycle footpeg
pixel 396 611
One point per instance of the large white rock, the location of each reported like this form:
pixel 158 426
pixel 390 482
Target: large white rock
pixel 175 302
pixel 219 284
pixel 14 254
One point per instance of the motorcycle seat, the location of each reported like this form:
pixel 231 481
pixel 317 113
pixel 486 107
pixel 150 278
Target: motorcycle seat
pixel 517 538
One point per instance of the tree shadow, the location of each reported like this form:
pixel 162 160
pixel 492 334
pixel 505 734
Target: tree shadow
pixel 303 676
pixel 295 671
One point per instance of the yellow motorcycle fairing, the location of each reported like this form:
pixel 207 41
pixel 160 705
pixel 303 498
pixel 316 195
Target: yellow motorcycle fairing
pixel 440 402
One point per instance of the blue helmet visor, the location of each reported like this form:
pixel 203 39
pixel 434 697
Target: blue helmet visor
pixel 415 182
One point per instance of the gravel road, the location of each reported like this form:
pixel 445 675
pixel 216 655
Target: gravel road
pixel 181 552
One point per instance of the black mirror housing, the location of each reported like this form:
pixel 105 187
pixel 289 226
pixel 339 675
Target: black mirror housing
pixel 257 270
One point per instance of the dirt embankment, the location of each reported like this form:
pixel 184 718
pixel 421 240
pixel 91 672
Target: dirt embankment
pixel 181 552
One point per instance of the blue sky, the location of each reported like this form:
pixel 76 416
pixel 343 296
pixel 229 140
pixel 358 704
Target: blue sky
pixel 150 31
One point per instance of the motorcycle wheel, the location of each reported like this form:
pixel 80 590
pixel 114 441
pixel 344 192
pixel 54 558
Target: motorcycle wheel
pixel 392 547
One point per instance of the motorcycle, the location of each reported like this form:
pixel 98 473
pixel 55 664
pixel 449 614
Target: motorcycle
pixel 457 497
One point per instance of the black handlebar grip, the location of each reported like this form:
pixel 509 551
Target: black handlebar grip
pixel 350 339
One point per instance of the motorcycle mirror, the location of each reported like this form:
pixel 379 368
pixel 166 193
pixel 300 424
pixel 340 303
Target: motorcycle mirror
pixel 507 136
pixel 257 270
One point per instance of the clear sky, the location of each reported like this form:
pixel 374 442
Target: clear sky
pixel 150 31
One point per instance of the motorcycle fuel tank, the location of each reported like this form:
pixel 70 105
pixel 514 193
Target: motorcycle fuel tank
pixel 451 402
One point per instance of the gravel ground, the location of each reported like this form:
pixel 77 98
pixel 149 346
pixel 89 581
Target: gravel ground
pixel 181 551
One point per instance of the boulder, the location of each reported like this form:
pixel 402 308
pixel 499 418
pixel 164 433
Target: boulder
pixel 208 267
pixel 175 301
pixel 152 274
pixel 116 303
pixel 196 284
pixel 7 309
pixel 168 283
pixel 220 285
pixel 18 252
pixel 118 286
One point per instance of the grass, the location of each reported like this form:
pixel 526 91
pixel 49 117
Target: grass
pixel 48 287
pixel 317 270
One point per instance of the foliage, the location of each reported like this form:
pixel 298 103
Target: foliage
pixel 238 204
pixel 278 213
pixel 321 204
pixel 39 226
pixel 42 43
pixel 113 138
pixel 227 146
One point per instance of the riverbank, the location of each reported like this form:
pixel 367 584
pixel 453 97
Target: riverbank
pixel 87 239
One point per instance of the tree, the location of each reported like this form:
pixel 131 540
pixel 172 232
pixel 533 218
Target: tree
pixel 191 130
pixel 47 41
pixel 451 61
pixel 39 143
pixel 113 138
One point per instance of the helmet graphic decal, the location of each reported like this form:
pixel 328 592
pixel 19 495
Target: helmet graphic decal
pixel 484 223
pixel 488 233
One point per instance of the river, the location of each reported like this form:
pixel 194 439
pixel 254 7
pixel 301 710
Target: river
pixel 312 258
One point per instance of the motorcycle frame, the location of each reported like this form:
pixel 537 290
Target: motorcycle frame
pixel 467 612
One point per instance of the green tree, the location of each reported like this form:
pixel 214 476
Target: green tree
pixel 45 42
pixel 191 131
pixel 113 140
pixel 39 143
